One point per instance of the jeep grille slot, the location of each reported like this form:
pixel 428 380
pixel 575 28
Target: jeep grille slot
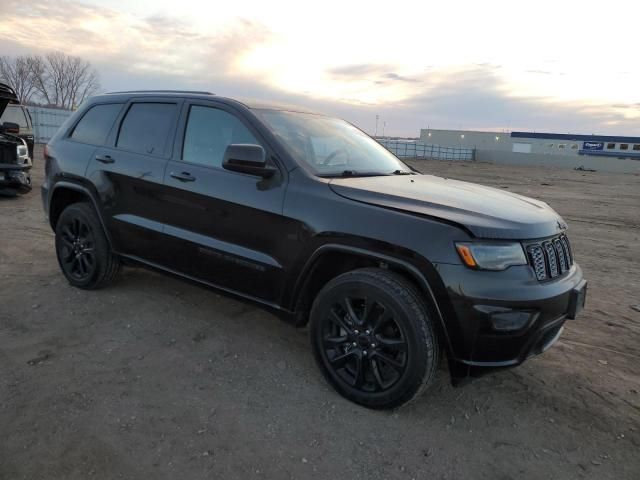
pixel 550 258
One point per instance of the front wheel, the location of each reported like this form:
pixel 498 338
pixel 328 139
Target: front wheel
pixel 373 339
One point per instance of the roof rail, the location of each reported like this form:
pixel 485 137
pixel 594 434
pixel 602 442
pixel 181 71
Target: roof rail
pixel 164 91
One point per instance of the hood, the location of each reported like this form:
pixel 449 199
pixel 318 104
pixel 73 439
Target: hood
pixel 486 212
pixel 7 96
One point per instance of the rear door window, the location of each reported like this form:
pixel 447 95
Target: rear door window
pixel 146 128
pixel 95 125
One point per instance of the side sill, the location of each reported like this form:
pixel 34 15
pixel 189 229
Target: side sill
pixel 271 305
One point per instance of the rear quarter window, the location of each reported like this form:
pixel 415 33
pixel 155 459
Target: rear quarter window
pixel 96 123
pixel 146 127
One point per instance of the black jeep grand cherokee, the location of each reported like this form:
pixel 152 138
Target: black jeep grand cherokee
pixel 307 215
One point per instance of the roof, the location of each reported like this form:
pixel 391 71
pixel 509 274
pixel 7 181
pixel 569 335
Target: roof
pixel 576 137
pixel 160 92
pixel 263 105
pixel 249 103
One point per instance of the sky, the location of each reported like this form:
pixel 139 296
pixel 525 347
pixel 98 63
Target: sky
pixel 559 66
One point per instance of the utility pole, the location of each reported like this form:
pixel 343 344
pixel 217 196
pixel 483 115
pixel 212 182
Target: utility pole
pixel 384 124
pixel 377 117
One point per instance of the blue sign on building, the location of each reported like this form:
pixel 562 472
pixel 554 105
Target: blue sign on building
pixel 593 145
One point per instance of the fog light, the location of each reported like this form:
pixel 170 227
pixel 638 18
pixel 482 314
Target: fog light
pixel 509 321
pixel 505 319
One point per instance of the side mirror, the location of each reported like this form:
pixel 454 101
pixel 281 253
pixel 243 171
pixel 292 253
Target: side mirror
pixel 250 159
pixel 10 127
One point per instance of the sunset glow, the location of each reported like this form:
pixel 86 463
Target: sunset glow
pixel 484 65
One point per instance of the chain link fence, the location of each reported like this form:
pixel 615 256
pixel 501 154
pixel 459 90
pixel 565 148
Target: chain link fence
pixel 423 151
pixel 46 122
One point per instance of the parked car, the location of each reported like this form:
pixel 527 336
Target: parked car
pixel 19 115
pixel 310 217
pixel 15 161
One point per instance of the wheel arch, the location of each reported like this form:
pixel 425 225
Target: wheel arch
pixel 321 267
pixel 64 194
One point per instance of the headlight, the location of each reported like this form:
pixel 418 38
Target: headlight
pixel 22 151
pixel 491 255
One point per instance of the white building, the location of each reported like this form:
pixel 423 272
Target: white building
pixel 600 152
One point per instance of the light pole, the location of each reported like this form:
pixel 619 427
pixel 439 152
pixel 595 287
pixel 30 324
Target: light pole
pixel 384 124
pixel 377 117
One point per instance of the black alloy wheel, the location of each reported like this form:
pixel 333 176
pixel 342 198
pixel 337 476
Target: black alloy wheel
pixel 82 248
pixel 364 344
pixel 373 339
pixel 77 252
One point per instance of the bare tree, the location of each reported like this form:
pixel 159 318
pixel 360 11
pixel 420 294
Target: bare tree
pixel 18 73
pixel 55 79
pixel 63 80
pixel 39 74
pixel 83 81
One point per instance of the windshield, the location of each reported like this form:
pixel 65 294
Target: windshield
pixel 330 146
pixel 14 114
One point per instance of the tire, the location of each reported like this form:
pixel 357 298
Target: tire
pixel 82 248
pixel 396 357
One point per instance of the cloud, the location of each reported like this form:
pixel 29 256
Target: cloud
pixel 540 72
pixel 157 43
pixel 375 73
pixel 478 98
pixel 161 51
pixel 359 70
pixel 400 78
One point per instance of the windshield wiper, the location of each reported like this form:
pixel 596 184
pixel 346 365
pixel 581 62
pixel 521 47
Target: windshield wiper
pixel 402 172
pixel 352 173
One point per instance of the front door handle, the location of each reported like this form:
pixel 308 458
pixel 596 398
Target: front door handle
pixel 105 158
pixel 183 177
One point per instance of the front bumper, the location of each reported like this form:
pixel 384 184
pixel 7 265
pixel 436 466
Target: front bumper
pixel 14 179
pixel 499 319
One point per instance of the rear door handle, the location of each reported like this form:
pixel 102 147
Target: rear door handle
pixel 105 159
pixel 183 177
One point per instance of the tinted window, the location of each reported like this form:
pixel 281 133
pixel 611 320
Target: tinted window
pixel 146 127
pixel 15 114
pixel 209 132
pixel 624 146
pixel 95 125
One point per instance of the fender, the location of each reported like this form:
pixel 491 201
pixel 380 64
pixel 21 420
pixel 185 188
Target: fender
pixel 85 191
pixel 402 264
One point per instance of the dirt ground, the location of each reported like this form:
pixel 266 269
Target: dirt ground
pixel 158 378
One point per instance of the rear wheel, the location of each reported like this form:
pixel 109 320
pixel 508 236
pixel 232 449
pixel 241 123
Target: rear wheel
pixel 82 248
pixel 373 339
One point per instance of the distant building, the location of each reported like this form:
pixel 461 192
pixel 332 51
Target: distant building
pixel 601 152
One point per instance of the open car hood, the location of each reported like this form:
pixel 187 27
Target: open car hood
pixel 7 96
pixel 484 211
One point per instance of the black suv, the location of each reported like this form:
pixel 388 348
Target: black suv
pixel 307 215
pixel 15 161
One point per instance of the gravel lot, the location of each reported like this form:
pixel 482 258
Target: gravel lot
pixel 158 378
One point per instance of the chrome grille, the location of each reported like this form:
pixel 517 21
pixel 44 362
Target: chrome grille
pixel 567 249
pixel 536 260
pixel 561 257
pixel 550 258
